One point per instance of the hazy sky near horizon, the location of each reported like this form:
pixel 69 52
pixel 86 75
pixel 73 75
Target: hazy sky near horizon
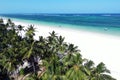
pixel 59 6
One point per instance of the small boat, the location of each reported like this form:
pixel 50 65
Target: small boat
pixel 105 29
pixel 59 25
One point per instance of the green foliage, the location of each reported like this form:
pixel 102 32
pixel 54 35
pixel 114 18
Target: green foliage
pixel 22 72
pixel 49 58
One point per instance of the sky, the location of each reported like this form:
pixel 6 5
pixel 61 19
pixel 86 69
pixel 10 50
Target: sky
pixel 59 6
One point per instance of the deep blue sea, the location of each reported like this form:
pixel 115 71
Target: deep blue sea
pixel 103 23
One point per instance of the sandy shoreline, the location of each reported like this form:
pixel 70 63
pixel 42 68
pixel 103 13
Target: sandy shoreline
pixel 94 46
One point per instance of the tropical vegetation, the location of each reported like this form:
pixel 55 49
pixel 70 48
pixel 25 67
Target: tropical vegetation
pixel 24 58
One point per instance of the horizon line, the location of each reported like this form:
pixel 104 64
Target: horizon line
pixel 58 13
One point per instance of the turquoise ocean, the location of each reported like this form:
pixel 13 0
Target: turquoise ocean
pixel 100 23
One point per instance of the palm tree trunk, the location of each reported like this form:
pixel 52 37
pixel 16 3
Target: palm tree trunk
pixel 33 67
pixel 16 75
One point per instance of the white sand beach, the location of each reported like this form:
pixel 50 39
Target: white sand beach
pixel 95 46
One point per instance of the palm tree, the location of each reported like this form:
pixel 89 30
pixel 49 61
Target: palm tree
pixel 61 44
pixel 75 68
pixel 1 21
pixel 20 29
pixel 72 48
pixel 100 71
pixel 30 31
pixel 10 24
pixel 3 73
pixel 30 34
pixel 9 21
pixel 53 34
pixel 53 69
